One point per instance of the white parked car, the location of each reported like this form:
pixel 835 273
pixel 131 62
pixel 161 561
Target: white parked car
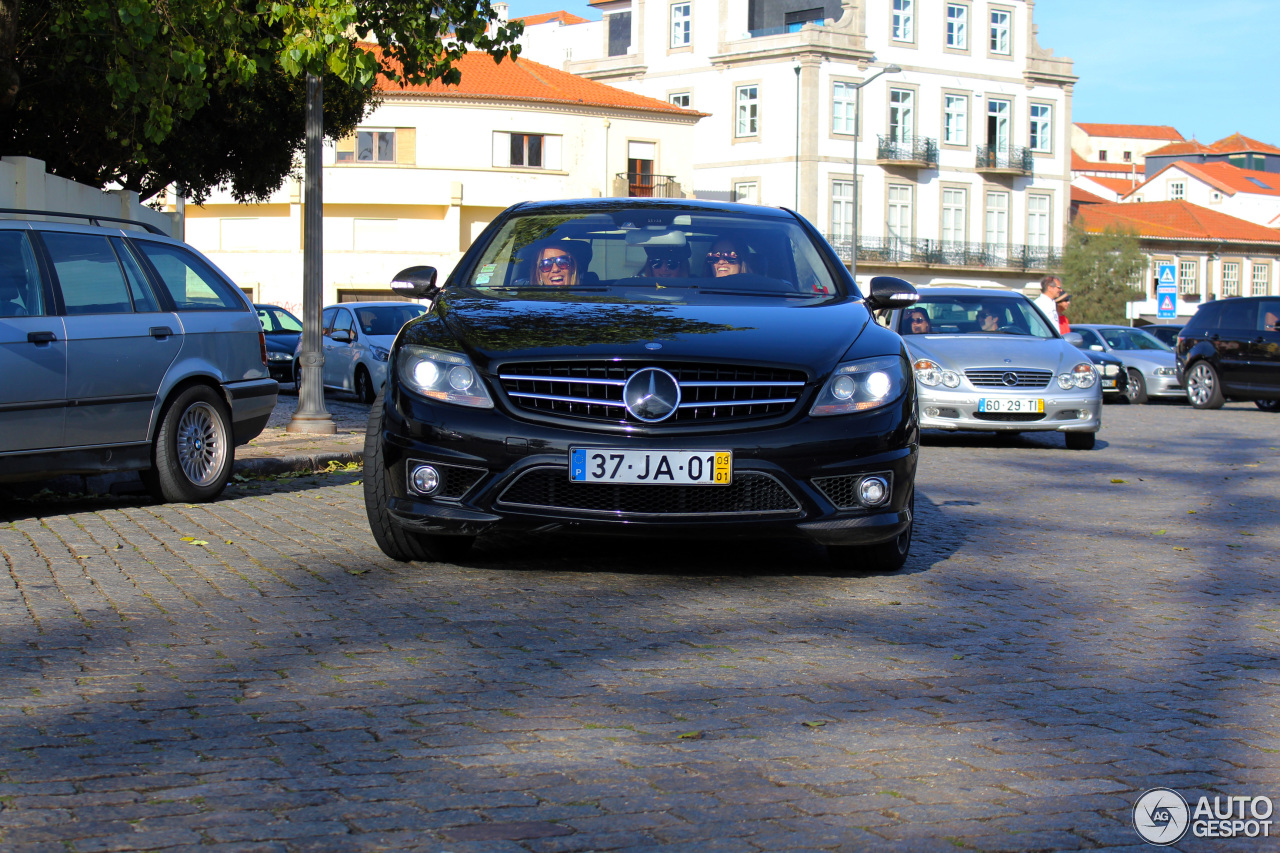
pixel 357 339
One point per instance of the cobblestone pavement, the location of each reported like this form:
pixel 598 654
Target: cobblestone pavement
pixel 1071 629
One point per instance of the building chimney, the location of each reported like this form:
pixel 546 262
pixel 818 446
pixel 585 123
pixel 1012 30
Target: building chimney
pixel 502 10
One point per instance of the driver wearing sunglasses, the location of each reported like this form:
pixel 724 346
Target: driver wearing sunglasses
pixel 728 256
pixel 665 262
pixel 555 267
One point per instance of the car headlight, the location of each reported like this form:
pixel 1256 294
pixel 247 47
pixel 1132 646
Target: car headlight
pixel 857 386
pixel 279 356
pixel 1112 370
pixel 1166 371
pixel 444 376
pixel 1081 376
pixel 380 353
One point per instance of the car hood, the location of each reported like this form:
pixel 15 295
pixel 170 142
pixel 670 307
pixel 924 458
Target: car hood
pixel 961 352
pixel 757 330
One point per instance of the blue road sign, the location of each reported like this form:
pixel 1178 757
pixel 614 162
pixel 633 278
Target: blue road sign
pixel 1165 275
pixel 1166 292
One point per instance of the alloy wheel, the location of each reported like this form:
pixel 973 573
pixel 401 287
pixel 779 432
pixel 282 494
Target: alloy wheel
pixel 201 444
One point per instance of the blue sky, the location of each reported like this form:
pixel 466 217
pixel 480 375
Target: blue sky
pixel 1209 69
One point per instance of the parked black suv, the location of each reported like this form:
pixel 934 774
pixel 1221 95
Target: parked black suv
pixel 1231 348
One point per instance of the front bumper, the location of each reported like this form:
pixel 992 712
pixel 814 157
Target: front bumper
pixel 1077 410
pixel 513 476
pixel 1163 386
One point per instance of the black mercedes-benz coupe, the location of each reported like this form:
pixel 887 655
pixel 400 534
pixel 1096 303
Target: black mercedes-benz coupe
pixel 647 367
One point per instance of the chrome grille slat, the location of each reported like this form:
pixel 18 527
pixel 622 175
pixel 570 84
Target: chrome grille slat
pixel 584 400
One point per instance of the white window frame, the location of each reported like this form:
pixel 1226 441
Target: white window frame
pixel 1041 135
pixel 1189 277
pixel 1230 279
pixel 955 121
pixel 1039 213
pixel 1177 190
pixel 1260 285
pixel 747 192
pixel 375 132
pixel 957 26
pixel 955 215
pixel 842 202
pixel 902 115
pixel 1004 118
pixel 843 100
pixel 674 97
pixel 747 111
pixel 898 212
pixel 681 25
pixel 997 221
pixel 1001 29
pixel 904 23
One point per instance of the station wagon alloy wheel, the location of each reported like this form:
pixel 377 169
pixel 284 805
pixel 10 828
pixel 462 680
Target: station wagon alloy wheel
pixel 193 453
pixel 202 444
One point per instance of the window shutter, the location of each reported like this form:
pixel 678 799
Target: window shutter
pixel 406 145
pixel 551 146
pixel 501 148
pixel 347 145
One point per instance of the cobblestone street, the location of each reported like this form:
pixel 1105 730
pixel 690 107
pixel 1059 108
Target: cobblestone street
pixel 1072 628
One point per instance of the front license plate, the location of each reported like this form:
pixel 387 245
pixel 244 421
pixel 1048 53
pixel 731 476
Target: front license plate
pixel 1108 383
pixel 670 467
pixel 1003 404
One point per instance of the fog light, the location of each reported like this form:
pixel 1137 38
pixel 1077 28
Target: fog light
pixel 873 491
pixel 425 479
pixel 930 411
pixel 1084 414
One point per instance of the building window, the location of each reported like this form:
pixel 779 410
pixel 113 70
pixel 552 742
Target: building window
pixel 998 127
pixel 1230 278
pixel 843 119
pixel 619 33
pixel 997 221
pixel 904 20
pixel 1177 190
pixel 747 192
pixel 955 119
pixel 898 226
pixel 748 123
pixel 1127 156
pixel 842 210
pixel 902 115
pixel 1038 221
pixel 1102 156
pixel 957 26
pixel 1041 128
pixel 1000 31
pixel 371 146
pixel 954 218
pixel 1261 284
pixel 526 150
pixel 681 24
pixel 681 99
pixel 1189 277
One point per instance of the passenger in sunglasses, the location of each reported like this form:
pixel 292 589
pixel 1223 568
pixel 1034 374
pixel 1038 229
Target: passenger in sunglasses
pixel 728 256
pixel 555 267
pixel 666 262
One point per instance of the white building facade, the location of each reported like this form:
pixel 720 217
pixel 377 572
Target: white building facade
pixel 963 157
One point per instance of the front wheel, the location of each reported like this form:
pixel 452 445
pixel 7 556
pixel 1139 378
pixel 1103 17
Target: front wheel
pixel 1081 440
pixel 1268 405
pixel 364 386
pixel 1137 390
pixel 1204 391
pixel 395 541
pixel 193 452
pixel 876 559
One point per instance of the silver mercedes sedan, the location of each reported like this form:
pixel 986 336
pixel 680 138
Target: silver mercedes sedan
pixel 988 360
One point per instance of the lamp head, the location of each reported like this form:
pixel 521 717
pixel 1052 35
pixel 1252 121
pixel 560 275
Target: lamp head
pixel 893 69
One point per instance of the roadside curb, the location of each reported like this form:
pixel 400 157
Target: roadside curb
pixel 268 465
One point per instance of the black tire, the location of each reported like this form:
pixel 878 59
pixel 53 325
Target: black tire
pixel 194 448
pixel 1268 405
pixel 395 541
pixel 297 376
pixel 1137 388
pixel 1204 389
pixel 1081 440
pixel 364 385
pixel 882 558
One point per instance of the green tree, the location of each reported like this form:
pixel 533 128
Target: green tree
pixel 1100 269
pixel 146 93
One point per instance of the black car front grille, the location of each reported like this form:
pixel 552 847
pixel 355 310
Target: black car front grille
pixel 750 493
pixel 995 378
pixel 592 390
pixel 1009 416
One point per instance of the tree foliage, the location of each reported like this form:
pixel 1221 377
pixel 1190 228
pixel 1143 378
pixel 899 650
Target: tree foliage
pixel 1100 270
pixel 146 93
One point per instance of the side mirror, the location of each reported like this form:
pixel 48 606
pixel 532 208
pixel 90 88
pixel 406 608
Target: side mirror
pixel 888 292
pixel 1074 338
pixel 415 282
pixel 341 336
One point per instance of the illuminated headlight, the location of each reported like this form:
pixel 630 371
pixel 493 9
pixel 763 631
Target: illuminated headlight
pixel 1083 375
pixel 279 356
pixel 1166 371
pixel 380 353
pixel 857 386
pixel 444 376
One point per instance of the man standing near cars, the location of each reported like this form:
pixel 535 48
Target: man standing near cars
pixel 1051 293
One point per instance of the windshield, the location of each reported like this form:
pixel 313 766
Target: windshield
pixel 658 254
pixel 978 314
pixel 386 319
pixel 1131 339
pixel 276 320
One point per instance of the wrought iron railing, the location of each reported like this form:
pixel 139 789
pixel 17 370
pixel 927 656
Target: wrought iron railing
pixel 642 185
pixel 1016 159
pixel 890 250
pixel 909 148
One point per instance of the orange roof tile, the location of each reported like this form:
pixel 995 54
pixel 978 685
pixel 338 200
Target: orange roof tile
pixel 1131 131
pixel 1079 196
pixel 547 17
pixel 1228 178
pixel 1238 143
pixel 1117 185
pixel 526 80
pixel 1189 146
pixel 1079 164
pixel 1175 220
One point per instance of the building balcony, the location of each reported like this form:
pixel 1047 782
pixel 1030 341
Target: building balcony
pixel 936 253
pixel 644 185
pixel 916 152
pixel 993 161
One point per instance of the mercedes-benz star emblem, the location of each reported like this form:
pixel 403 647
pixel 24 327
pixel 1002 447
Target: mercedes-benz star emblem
pixel 1009 379
pixel 653 345
pixel 651 395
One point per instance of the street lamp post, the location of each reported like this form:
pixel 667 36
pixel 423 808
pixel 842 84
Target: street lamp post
pixel 857 134
pixel 797 137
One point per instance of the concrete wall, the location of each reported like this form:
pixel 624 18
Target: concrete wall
pixel 25 184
